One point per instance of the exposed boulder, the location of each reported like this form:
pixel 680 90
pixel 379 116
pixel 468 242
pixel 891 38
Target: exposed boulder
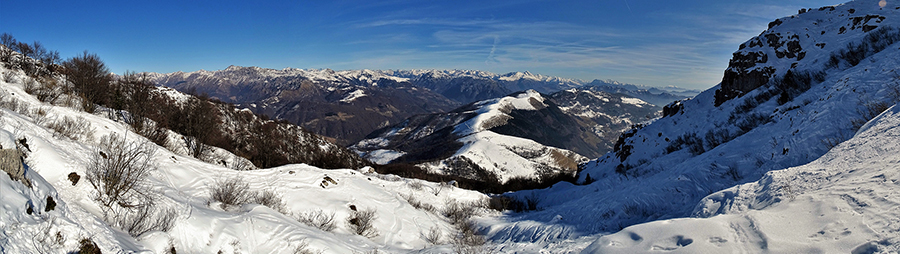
pixel 12 163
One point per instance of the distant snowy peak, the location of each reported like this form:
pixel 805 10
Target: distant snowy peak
pixel 546 84
pixel 513 76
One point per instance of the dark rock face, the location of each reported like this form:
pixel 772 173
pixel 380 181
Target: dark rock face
pixel 676 107
pixel 737 82
pixel 745 69
pixel 743 75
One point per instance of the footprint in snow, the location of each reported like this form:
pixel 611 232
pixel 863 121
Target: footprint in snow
pixel 672 243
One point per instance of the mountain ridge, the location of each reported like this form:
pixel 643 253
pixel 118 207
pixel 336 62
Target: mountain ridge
pixel 348 105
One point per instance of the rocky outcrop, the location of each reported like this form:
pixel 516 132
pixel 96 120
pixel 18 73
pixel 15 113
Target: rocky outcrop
pixel 12 163
pixel 745 71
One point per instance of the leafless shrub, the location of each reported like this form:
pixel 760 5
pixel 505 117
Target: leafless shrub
pixel 303 248
pixel 870 109
pixel 318 219
pixel 143 219
pixel 90 79
pixel 468 240
pixel 39 114
pixel 241 164
pixel 411 199
pixel 893 91
pixel 152 131
pixel 117 170
pixel 270 199
pixel 233 192
pixel 12 104
pixel 44 88
pixel 787 191
pixel 415 185
pixel 831 142
pixel 459 212
pixel 230 192
pixel 9 77
pixel 361 222
pixel 433 236
pixel 503 203
pixel 76 128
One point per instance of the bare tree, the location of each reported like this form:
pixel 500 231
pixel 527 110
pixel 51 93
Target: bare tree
pixel 8 40
pixel 6 52
pixel 201 119
pixel 90 79
pixel 26 51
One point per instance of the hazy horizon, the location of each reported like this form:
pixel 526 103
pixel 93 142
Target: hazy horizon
pixel 653 43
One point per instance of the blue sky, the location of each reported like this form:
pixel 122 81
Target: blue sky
pixel 658 43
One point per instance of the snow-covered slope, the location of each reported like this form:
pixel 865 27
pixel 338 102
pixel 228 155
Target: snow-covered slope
pixel 184 185
pixel 663 169
pixel 492 136
pixel 844 202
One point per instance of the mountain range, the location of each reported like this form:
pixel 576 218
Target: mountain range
pixel 795 151
pixel 348 105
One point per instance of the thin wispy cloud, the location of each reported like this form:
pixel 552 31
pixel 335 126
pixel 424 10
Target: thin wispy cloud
pixel 685 49
pixel 683 43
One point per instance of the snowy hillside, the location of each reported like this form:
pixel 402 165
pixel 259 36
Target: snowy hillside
pixel 844 202
pixel 57 209
pixel 807 105
pixel 473 140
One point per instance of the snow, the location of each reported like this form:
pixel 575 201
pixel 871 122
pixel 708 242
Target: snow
pixel 846 201
pixel 353 96
pixel 383 156
pixel 491 112
pixel 634 101
pixel 777 188
pixel 236 76
pixel 502 155
pixel 183 183
pixel 516 76
pixel 663 186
